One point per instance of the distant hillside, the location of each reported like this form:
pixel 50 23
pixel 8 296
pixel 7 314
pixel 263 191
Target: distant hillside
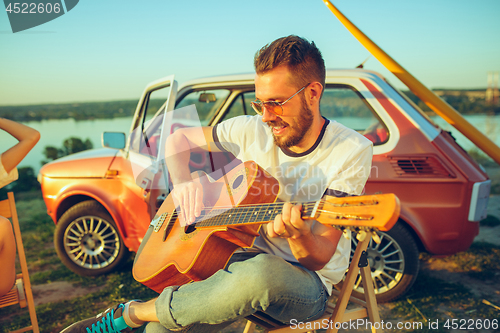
pixel 467 101
pixel 78 111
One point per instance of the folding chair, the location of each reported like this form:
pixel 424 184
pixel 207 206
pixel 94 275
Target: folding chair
pixel 336 312
pixel 21 292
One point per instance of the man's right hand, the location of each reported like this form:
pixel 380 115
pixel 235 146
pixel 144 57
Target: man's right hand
pixel 188 196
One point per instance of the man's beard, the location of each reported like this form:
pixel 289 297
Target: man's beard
pixel 298 128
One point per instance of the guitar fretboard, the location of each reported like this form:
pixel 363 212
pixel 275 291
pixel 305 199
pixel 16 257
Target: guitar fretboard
pixel 250 214
pixel 338 215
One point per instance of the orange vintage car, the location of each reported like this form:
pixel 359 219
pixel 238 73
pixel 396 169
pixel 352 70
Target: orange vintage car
pixel 103 200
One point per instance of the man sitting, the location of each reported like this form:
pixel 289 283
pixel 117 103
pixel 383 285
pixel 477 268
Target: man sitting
pixel 289 272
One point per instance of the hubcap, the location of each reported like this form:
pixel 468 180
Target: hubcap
pixel 386 263
pixel 91 242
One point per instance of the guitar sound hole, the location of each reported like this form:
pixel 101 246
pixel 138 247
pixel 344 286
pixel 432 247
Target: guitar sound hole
pixel 189 229
pixel 237 182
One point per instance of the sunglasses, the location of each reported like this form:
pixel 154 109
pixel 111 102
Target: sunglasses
pixel 272 106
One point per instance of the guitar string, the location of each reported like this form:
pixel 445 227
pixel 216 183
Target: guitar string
pixel 241 215
pixel 247 213
pixel 360 203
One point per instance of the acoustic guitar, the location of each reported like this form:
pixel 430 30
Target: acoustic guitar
pixel 235 206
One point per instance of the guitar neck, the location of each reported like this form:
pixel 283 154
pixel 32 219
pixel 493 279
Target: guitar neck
pixel 362 212
pixel 250 214
pixel 372 212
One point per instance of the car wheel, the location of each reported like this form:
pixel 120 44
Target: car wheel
pixel 394 263
pixel 87 240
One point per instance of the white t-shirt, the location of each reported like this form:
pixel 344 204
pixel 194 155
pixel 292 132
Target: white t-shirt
pixel 7 178
pixel 337 164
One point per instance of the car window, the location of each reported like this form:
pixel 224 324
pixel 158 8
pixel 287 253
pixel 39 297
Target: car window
pixel 207 102
pixel 339 102
pixel 346 106
pixel 146 137
pixel 241 106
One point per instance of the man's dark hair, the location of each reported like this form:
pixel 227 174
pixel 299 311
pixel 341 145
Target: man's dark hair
pixel 302 58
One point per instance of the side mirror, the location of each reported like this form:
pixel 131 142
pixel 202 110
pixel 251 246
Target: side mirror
pixel 207 98
pixel 113 140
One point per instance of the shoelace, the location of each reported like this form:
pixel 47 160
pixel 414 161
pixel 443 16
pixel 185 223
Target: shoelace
pixel 105 324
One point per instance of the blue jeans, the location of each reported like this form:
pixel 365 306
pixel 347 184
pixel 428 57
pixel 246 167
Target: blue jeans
pixel 249 283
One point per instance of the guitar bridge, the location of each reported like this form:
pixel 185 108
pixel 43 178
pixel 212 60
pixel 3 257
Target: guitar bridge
pixel 158 221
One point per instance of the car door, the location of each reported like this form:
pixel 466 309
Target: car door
pixel 147 142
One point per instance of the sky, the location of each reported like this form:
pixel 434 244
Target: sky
pixel 110 50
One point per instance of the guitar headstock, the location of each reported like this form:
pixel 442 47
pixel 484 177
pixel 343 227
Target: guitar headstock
pixel 367 212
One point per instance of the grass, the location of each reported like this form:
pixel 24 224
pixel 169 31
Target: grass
pixel 433 302
pixel 52 317
pixel 490 221
pixel 480 262
pixel 44 266
pixel 430 299
pixel 430 303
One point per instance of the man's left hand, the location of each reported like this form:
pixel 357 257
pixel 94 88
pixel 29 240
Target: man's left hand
pixel 289 224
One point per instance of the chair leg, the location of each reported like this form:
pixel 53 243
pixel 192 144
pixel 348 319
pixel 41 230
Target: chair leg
pixel 34 319
pixel 348 284
pixel 31 304
pixel 370 299
pixel 23 263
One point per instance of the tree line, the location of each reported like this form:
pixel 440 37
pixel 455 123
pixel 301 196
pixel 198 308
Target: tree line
pixel 116 109
pixel 77 111
pixel 462 103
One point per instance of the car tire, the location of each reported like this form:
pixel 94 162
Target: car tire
pixel 87 240
pixel 394 264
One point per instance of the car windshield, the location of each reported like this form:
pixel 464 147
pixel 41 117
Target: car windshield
pixel 207 103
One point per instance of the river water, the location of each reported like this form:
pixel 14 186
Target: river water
pixel 54 132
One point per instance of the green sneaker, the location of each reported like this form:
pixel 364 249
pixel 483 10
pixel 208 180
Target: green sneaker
pixel 109 321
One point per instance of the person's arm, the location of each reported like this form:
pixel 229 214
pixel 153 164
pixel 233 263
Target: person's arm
pixel 312 244
pixel 27 137
pixel 178 148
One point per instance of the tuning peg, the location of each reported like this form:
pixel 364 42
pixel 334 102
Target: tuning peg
pixel 375 237
pixel 361 235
